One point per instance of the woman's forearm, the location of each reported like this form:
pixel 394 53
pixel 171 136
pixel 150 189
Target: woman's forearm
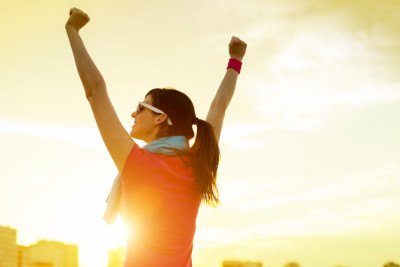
pixel 237 49
pixel 223 97
pixel 91 77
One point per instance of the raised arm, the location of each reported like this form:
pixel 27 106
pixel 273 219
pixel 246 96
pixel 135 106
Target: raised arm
pixel 216 113
pixel 115 137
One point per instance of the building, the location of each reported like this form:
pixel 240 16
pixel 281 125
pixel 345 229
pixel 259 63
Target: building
pixel 234 263
pixel 8 247
pixel 116 257
pixel 53 254
pixel 391 264
pixel 23 257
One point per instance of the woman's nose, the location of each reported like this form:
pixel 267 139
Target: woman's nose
pixel 133 114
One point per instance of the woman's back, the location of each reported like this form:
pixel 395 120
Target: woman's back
pixel 160 202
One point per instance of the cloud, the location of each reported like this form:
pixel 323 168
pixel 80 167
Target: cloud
pixel 319 55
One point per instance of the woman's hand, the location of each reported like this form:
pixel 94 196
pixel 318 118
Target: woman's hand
pixel 237 48
pixel 77 19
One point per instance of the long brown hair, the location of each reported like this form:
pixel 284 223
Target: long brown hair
pixel 205 152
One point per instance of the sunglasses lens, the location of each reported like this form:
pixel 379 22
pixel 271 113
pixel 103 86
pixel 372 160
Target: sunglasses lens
pixel 139 108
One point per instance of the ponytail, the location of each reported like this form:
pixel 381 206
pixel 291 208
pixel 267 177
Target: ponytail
pixel 205 157
pixel 204 154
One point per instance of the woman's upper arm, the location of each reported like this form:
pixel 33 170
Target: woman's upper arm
pixel 117 140
pixel 215 117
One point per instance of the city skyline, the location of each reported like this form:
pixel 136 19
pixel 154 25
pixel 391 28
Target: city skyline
pixel 25 256
pixel 310 161
pixel 43 253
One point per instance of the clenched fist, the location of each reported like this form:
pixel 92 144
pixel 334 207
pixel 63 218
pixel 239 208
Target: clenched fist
pixel 77 19
pixel 237 48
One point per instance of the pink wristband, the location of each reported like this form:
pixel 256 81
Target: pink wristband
pixel 234 64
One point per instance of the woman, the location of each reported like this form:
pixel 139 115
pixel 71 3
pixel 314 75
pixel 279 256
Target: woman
pixel 164 182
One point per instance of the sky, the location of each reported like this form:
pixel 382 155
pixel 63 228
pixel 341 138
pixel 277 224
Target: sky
pixel 310 168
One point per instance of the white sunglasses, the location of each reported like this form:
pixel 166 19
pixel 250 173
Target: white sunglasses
pixel 156 110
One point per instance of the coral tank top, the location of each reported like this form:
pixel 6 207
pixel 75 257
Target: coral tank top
pixel 160 203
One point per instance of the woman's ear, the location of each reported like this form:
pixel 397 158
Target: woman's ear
pixel 161 118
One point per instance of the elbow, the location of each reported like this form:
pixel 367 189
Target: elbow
pixel 90 92
pixel 93 86
pixel 89 95
pixel 94 90
pixel 219 105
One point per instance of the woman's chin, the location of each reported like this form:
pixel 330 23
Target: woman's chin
pixel 133 134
